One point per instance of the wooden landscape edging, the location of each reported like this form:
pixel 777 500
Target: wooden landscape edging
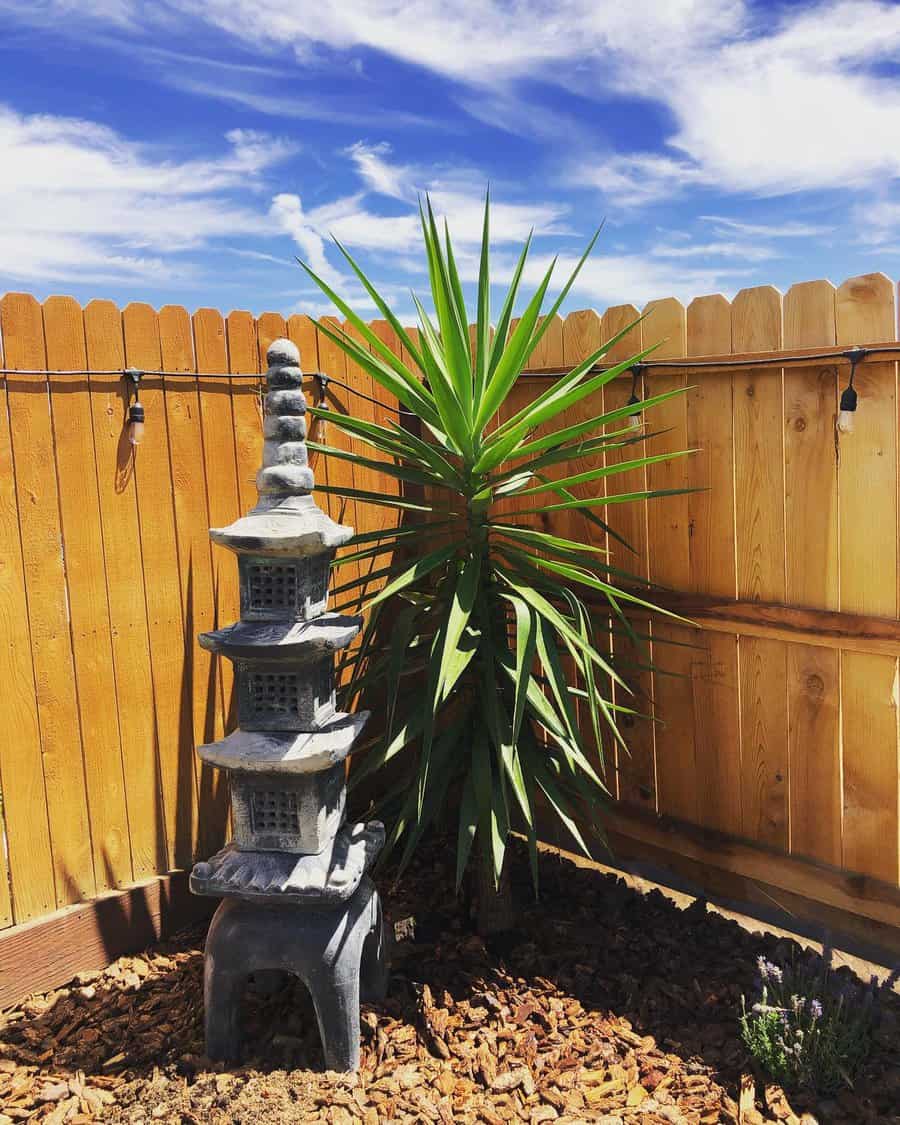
pixel 48 952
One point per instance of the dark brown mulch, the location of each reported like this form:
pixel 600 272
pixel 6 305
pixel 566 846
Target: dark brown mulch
pixel 609 1005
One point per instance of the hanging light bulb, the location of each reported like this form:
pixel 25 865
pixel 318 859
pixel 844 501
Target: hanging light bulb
pixel 847 410
pixel 136 423
pixel 136 409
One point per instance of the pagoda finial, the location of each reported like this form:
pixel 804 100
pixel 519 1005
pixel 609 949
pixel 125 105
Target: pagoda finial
pixel 285 470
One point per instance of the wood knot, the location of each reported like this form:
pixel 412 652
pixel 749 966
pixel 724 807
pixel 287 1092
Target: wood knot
pixel 815 685
pixel 800 424
pixel 751 391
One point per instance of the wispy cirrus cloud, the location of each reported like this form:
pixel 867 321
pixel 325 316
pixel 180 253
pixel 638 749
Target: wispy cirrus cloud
pixel 798 101
pixel 79 201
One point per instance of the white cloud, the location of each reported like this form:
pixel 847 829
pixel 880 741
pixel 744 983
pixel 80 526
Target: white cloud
pixel 761 102
pixel 767 230
pixel 456 195
pixel 749 252
pixel 377 173
pixel 879 223
pixel 80 202
pixel 635 279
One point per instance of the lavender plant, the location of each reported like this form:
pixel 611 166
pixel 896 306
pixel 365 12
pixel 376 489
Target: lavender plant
pixel 807 1028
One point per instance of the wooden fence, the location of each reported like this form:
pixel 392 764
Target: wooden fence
pixel 778 728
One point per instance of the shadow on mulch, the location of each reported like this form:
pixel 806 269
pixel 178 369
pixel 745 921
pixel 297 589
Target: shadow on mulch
pixel 676 975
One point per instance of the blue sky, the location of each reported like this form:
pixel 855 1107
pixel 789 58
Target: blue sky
pixel 185 150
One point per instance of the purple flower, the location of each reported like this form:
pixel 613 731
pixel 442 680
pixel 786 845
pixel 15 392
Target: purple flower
pixel 815 1009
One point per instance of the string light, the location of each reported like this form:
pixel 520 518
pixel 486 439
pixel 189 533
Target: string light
pixel 849 398
pixel 634 418
pixel 135 409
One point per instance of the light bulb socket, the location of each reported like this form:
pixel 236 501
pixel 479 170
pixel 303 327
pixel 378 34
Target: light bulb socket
pixel 135 413
pixel 849 399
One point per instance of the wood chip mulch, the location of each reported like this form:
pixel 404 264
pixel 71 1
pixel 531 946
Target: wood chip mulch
pixel 608 1005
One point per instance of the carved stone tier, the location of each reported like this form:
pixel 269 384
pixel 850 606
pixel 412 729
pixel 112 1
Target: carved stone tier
pixel 283 640
pixel 328 878
pixel 293 526
pixel 254 751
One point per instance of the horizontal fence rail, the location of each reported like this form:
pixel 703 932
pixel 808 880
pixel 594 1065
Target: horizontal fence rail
pixel 777 709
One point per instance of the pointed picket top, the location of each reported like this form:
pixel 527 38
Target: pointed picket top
pixel 302 330
pixel 549 351
pixel 176 338
pixel 582 334
pixel 708 325
pixel 615 319
pixel 665 325
pixel 756 324
pixel 21 324
pixel 64 331
pixel 809 314
pixel 867 305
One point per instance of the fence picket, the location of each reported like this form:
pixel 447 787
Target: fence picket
pixel 159 549
pixel 86 593
pixel 30 890
pixel 756 325
pixel 337 472
pixel 188 485
pixel 867 482
pixel 243 359
pixel 122 559
pixel 714 669
pixel 628 520
pixel 222 494
pixel 44 566
pixel 710 415
pixel 811 522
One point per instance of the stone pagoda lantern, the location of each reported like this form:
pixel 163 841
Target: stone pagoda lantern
pixel 293 883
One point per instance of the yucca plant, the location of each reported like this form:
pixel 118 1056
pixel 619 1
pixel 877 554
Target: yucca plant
pixel 481 641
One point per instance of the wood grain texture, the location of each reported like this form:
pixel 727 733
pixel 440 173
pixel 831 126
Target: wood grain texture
pixel 868 457
pixel 668 517
pixel 756 325
pixel 86 593
pixel 222 493
pixel 270 326
pixel 246 402
pixel 867 483
pixel 165 614
pixel 710 430
pixel 869 691
pixel 122 560
pixel 810 404
pixel 814 694
pixel 759 449
pixel 189 493
pixel 43 558
pixel 764 741
pixel 676 766
pixel 629 521
pixel 713 567
pixel 717 730
pixel 811 574
pixel 338 473
pixel 27 831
